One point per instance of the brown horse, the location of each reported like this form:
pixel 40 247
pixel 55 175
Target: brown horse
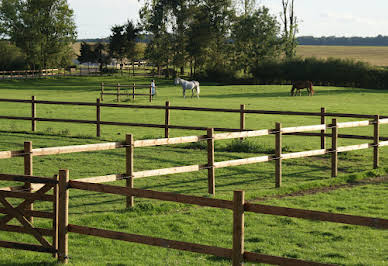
pixel 300 85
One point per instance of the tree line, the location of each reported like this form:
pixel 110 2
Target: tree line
pixel 344 41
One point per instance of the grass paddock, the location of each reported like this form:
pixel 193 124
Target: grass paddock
pixel 295 238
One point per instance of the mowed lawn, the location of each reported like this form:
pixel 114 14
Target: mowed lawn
pixel 315 241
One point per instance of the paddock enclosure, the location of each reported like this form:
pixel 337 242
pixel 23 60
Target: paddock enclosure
pixel 331 136
pixel 62 228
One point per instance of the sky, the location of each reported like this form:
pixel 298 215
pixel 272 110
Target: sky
pixel 94 18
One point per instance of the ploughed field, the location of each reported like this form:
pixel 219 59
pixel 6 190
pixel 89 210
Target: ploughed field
pixel 280 236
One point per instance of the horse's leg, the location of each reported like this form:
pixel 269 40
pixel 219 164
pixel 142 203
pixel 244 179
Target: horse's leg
pixel 292 91
pixel 184 93
pixel 192 92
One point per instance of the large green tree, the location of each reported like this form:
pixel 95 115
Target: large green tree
pixel 256 38
pixel 42 29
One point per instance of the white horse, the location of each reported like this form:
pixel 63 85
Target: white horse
pixel 188 85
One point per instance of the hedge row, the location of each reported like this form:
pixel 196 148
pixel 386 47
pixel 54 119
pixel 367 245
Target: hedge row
pixel 332 72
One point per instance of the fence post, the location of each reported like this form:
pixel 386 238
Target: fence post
pixel 238 228
pixel 98 117
pixel 278 155
pixel 63 216
pixel 102 91
pixel 376 155
pixel 167 120
pixel 242 118
pixel 28 170
pixel 55 218
pixel 118 92
pixel 33 114
pixel 210 161
pixel 129 151
pixel 334 152
pixel 323 121
pixel 150 93
pixel 133 91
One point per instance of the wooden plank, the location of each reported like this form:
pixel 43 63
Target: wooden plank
pixel 25 203
pixel 63 216
pixel 22 230
pixel 376 138
pixel 98 118
pixel 10 154
pixel 245 134
pixel 168 141
pixel 170 171
pixel 242 118
pixel 25 178
pixel 23 246
pixel 383 121
pixel 28 171
pixel 33 113
pixel 129 164
pixel 238 228
pixel 167 120
pixel 354 147
pixel 153 241
pixel 303 128
pixel 334 152
pixel 323 122
pixel 40 214
pixel 15 213
pixel 26 195
pixel 211 182
pixel 141 193
pixel 383 143
pixel 77 148
pixel 102 179
pixel 278 155
pixel 303 154
pixel 317 215
pixel 354 124
pixel 237 162
pixel 274 260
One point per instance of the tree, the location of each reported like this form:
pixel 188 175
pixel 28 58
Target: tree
pixel 122 42
pixel 101 55
pixel 255 39
pixel 290 28
pixel 42 29
pixel 86 54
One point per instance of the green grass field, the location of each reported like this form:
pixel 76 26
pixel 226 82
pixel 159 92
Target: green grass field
pixel 295 238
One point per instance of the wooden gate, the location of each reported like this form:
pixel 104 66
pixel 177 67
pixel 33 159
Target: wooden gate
pixel 47 190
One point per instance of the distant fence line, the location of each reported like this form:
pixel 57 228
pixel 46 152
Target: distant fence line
pixel 61 227
pixel 242 111
pixel 62 72
pixel 129 91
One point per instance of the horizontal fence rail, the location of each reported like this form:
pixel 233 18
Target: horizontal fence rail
pixel 210 138
pixel 237 205
pixel 167 115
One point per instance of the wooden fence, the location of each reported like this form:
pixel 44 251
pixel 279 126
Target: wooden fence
pixel 129 90
pixel 25 74
pixel 167 117
pixel 61 226
pixel 24 214
pixel 129 144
